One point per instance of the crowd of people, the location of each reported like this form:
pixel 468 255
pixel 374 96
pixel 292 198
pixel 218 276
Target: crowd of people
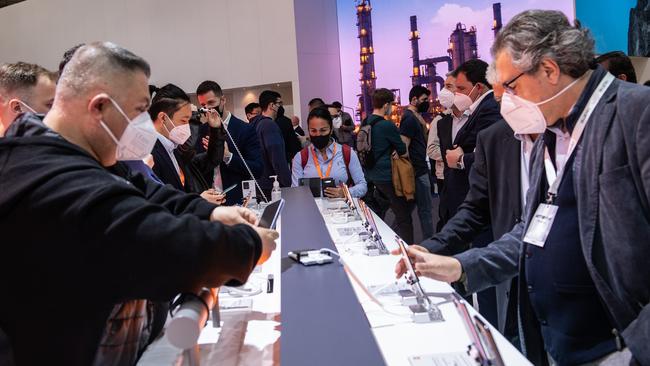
pixel 114 199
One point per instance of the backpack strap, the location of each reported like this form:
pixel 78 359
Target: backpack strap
pixel 304 156
pixel 347 152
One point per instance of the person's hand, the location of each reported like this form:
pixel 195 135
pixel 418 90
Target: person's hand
pixel 226 152
pixel 303 140
pixel 233 215
pixel 395 155
pixel 205 141
pixel 149 161
pixel 438 267
pixel 331 192
pixel 400 267
pixel 453 156
pixel 213 196
pixel 214 119
pixel 268 237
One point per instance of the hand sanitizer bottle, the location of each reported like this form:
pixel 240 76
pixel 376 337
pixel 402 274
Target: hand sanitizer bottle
pixel 276 193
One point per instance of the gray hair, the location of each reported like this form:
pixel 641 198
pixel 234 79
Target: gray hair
pixel 98 63
pixel 491 73
pixel 536 34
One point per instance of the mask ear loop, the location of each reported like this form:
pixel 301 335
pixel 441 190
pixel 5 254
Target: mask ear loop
pixel 105 127
pixel 170 120
pixel 561 91
pixel 27 105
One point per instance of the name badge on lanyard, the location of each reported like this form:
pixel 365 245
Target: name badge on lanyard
pixel 542 221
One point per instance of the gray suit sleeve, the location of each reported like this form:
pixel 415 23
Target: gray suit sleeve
pixel 637 333
pixel 489 266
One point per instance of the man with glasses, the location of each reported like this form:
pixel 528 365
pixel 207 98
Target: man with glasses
pixel 271 143
pixel 581 250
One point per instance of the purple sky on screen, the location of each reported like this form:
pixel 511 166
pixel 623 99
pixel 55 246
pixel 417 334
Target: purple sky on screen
pixel 436 20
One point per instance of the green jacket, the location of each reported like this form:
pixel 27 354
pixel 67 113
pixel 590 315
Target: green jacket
pixel 385 139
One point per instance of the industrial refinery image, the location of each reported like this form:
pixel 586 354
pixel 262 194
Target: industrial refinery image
pixel 395 44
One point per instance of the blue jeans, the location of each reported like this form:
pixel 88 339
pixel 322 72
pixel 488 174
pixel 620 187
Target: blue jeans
pixel 424 202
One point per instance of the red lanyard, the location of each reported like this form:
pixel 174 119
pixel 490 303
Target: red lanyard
pixel 329 166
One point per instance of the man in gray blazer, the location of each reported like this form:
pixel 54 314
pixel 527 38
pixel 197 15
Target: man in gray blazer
pixel 581 250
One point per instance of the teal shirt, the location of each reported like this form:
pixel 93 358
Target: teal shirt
pixel 385 139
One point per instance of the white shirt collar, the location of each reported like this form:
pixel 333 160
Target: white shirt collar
pixel 478 101
pixel 168 144
pixel 226 120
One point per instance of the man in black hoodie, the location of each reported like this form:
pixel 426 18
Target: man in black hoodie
pixel 78 239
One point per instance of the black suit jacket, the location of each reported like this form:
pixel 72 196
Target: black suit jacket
pixel 493 201
pixel 198 169
pixel 457 180
pixel 291 143
pixel 235 172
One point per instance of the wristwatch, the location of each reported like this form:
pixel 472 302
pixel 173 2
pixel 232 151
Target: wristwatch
pixel 459 163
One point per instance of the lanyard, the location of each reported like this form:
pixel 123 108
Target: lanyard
pixel 554 178
pixel 329 166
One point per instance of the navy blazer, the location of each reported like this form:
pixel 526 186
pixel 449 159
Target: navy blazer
pixel 457 180
pixel 493 200
pixel 611 175
pixel 249 145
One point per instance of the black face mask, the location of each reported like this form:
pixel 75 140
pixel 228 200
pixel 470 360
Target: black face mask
pixel 423 107
pixel 280 112
pixel 320 142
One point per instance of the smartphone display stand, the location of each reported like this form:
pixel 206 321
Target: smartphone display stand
pixel 375 245
pixel 354 211
pixel 424 311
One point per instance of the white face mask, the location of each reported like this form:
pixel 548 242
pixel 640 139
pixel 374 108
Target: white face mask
pixel 525 117
pixel 462 101
pixel 137 139
pixel 446 98
pixel 178 134
pixel 337 121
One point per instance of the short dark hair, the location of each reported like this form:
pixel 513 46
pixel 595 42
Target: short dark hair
pixel 320 112
pixel 647 83
pixel 316 102
pixel 618 63
pixel 337 105
pixel 67 55
pixel 382 96
pixel 168 99
pixel 209 86
pixel 417 91
pixel 250 106
pixel 267 97
pixel 20 76
pixel 475 71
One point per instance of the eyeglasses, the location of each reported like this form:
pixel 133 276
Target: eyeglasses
pixel 507 86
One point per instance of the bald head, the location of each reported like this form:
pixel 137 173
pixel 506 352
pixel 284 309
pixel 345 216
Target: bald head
pixel 99 66
pixel 102 88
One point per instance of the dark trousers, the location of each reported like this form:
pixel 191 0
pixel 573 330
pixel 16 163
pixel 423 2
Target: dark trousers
pixel 442 207
pixel 402 210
